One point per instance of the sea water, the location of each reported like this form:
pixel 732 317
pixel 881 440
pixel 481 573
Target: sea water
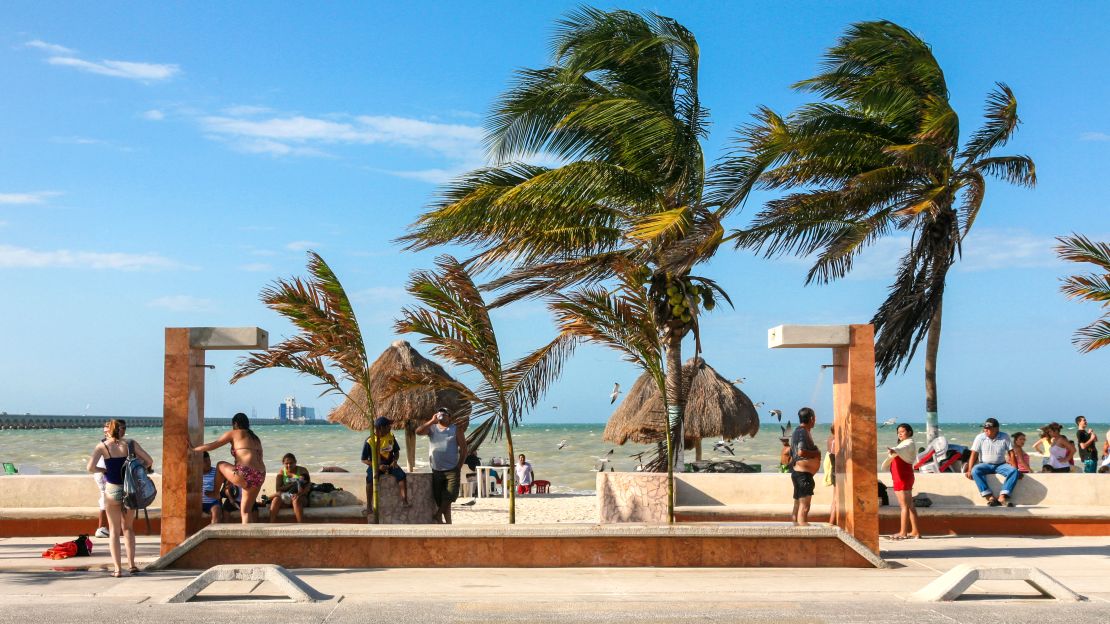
pixel 570 469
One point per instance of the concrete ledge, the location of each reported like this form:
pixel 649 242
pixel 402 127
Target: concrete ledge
pixel 628 545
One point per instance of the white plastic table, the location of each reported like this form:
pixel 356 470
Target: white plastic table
pixel 487 475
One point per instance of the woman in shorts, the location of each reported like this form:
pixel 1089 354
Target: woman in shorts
pixel 113 450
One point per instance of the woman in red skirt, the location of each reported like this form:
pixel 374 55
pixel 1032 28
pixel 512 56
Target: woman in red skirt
pixel 902 457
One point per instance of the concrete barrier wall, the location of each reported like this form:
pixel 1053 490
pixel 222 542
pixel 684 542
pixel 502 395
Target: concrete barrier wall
pixel 639 497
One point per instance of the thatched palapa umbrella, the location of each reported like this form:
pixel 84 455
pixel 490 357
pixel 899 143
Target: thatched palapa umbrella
pixel 714 408
pixel 406 408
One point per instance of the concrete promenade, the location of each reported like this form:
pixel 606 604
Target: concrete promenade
pixel 32 590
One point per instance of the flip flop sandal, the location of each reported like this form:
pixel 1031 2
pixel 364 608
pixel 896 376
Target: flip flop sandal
pixel 116 574
pixel 133 571
pixel 993 503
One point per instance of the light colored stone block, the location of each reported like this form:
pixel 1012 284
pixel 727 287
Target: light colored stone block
pixel 228 338
pixel 279 577
pixel 953 583
pixel 808 336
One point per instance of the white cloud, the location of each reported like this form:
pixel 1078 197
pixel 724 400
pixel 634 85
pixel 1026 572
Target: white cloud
pixel 34 197
pixel 983 250
pixel 432 176
pixel 986 250
pixel 246 110
pixel 181 303
pixel 255 267
pixel 12 257
pixel 301 245
pixel 1094 136
pixel 154 115
pixel 303 135
pixel 52 48
pixel 83 140
pixel 145 72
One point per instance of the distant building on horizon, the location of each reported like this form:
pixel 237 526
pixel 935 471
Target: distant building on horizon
pixel 290 411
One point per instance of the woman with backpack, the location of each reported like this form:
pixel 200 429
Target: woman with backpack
pixel 114 450
pixel 248 472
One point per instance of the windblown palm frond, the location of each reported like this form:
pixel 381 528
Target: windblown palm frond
pixel 328 338
pixel 1091 287
pixel 878 156
pixel 454 320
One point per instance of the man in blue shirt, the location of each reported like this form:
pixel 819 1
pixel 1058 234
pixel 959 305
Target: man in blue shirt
pixel 990 454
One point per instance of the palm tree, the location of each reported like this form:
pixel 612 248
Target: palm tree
pixel 328 338
pixel 878 155
pixel 455 321
pixel 1090 287
pixel 622 320
pixel 619 106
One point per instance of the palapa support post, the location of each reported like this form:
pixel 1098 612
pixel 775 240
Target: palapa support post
pixel 853 366
pixel 183 420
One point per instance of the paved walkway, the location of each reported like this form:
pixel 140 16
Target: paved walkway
pixel 31 587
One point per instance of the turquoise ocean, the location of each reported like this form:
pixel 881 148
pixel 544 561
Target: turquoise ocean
pixel 570 469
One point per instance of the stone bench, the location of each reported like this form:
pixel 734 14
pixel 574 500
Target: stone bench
pixel 51 505
pixel 1047 504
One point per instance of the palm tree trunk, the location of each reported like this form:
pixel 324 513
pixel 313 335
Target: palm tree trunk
pixel 410 444
pixel 676 404
pixel 510 474
pixel 932 345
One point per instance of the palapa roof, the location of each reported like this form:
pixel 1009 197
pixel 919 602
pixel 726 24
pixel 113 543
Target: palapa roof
pixel 714 408
pixel 413 405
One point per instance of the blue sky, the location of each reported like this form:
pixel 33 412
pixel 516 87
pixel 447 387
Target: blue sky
pixel 160 164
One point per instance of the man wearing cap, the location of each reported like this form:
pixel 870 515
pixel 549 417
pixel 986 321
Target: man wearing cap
pixel 446 450
pixel 388 453
pixel 990 454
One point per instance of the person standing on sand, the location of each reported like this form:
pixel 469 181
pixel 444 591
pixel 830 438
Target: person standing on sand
pixel 446 450
pixel 248 473
pixel 902 458
pixel 524 476
pixel 1087 440
pixel 114 451
pixel 805 460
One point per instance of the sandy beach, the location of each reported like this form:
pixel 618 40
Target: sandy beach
pixel 530 509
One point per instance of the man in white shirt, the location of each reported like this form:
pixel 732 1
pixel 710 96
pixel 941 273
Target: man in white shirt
pixel 524 476
pixel 990 454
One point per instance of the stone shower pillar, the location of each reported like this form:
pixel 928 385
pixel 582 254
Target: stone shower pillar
pixel 853 351
pixel 183 420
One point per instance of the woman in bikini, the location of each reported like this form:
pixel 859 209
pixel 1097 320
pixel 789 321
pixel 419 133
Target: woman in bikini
pixel 248 472
pixel 114 449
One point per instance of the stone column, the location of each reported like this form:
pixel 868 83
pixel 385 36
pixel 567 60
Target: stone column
pixel 853 349
pixel 182 429
pixel 854 418
pixel 183 420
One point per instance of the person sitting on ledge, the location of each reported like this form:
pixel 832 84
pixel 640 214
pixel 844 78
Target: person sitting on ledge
pixel 292 485
pixel 389 451
pixel 209 497
pixel 992 453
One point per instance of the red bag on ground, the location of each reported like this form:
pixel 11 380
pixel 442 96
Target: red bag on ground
pixel 63 550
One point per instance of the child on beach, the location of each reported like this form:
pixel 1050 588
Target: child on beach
pixel 389 452
pixel 209 497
